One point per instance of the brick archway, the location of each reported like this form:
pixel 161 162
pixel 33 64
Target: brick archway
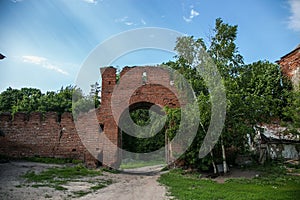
pixel 128 130
pixel 138 87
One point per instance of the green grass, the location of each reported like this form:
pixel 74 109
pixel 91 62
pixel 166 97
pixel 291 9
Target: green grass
pixel 53 160
pixel 137 164
pixel 59 176
pixel 46 160
pixel 101 185
pixel 272 184
pixel 56 174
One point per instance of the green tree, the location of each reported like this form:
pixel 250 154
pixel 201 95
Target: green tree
pixel 144 141
pixel 23 100
pixel 60 101
pixel 95 94
pixel 9 98
pixel 223 49
pixel 255 92
pixel 224 55
pixel 292 109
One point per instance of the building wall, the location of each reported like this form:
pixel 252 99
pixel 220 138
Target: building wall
pixel 290 66
pixel 40 135
pixel 132 89
pixel 45 135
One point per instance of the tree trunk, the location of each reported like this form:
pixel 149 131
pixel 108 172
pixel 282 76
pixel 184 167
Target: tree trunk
pixel 224 157
pixel 167 149
pixel 213 162
pixel 171 159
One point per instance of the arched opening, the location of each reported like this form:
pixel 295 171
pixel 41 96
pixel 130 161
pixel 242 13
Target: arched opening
pixel 141 132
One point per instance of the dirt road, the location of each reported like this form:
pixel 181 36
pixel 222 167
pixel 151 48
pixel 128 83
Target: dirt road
pixel 134 184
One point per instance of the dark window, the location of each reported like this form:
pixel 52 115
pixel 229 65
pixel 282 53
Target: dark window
pixel 101 128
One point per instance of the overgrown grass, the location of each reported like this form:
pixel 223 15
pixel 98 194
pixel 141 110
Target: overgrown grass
pixel 59 176
pixel 137 164
pixel 65 173
pixel 101 185
pixel 274 183
pixel 46 160
pixel 53 160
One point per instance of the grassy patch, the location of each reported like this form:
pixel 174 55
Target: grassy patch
pixel 112 171
pixel 46 160
pixel 273 184
pixel 53 160
pixel 137 164
pixel 101 185
pixel 59 176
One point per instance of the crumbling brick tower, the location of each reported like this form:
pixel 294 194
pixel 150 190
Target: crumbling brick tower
pixel 139 87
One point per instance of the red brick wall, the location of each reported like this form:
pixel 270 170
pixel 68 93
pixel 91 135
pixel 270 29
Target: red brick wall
pixel 155 90
pixel 290 66
pixel 290 63
pixel 40 135
pixel 46 136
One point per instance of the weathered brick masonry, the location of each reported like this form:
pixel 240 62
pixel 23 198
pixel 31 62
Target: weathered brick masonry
pixel 44 135
pixel 138 87
pixel 40 135
pixel 290 66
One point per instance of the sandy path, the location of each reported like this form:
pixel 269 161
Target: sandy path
pixel 134 184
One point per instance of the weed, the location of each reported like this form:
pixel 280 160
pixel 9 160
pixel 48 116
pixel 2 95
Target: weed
pixel 101 185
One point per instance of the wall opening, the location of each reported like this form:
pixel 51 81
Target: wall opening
pixel 144 78
pixel 138 141
pixel 101 128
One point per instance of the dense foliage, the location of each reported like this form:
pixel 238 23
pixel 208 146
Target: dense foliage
pixel 255 92
pixel 33 100
pixel 143 142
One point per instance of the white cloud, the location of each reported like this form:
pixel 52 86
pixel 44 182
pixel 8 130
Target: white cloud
pixel 43 62
pixel 143 22
pixel 34 59
pixel 129 23
pixel 91 1
pixel 187 19
pixel 125 20
pixel 193 14
pixel 294 19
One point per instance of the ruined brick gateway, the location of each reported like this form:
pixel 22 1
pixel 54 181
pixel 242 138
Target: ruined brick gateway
pixel 47 136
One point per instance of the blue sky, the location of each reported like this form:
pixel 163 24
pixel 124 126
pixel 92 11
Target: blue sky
pixel 46 42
